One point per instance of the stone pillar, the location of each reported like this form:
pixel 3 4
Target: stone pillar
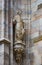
pixel 4 52
pixel 5 33
pixel 1 53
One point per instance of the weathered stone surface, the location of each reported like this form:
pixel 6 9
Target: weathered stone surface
pixel 1 54
pixel 6 54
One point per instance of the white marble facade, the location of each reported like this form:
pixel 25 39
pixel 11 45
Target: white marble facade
pixel 32 26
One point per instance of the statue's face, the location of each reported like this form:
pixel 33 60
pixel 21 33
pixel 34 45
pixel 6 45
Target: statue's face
pixel 18 18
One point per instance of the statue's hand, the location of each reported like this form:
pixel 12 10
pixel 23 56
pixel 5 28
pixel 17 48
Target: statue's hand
pixel 23 31
pixel 14 21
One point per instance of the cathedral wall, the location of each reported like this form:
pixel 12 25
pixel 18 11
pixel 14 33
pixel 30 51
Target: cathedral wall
pixel 36 31
pixel 6 39
pixel 33 31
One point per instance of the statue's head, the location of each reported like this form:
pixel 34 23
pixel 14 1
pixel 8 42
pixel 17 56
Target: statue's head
pixel 19 12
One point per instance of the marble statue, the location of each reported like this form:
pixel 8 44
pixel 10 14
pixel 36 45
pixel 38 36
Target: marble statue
pixel 19 28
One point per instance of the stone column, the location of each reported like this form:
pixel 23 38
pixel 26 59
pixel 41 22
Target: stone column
pixel 1 54
pixel 5 33
pixel 4 52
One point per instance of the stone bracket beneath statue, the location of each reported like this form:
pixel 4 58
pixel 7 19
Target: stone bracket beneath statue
pixel 19 49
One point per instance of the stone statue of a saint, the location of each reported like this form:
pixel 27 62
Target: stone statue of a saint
pixel 19 36
pixel 19 28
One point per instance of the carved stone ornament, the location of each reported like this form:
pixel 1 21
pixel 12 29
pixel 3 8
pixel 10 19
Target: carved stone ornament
pixel 19 44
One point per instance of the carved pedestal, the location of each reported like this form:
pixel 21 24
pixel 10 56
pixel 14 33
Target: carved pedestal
pixel 19 48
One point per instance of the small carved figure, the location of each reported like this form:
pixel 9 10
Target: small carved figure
pixel 19 28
